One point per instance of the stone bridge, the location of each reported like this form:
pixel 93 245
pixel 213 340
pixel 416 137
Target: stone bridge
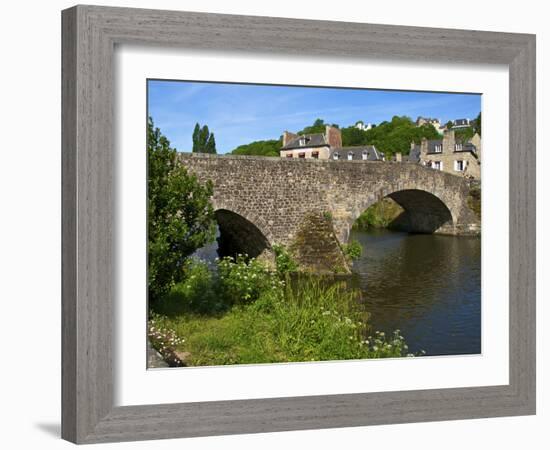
pixel 310 205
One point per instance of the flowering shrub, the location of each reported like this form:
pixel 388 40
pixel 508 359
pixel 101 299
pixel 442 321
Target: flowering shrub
pixel 242 281
pixel 382 346
pixel 164 340
pixel 284 261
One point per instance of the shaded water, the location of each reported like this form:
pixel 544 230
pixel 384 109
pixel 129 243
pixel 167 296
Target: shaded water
pixel 425 285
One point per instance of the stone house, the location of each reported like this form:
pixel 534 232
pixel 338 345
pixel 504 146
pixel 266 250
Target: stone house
pixel 327 145
pixel 450 155
pixel 427 120
pixel 461 123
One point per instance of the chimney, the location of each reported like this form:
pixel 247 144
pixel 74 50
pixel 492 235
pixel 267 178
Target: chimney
pixel 423 146
pixel 398 157
pixel 287 137
pixel 333 136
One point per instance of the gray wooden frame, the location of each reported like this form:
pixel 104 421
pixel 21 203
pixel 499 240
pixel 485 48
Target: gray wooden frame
pixel 89 37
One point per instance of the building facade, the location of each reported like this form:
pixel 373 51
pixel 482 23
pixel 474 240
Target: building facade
pixel 327 145
pixel 450 155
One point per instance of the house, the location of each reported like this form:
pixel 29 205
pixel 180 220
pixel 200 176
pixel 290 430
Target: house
pixel 450 155
pixel 357 153
pixel 427 120
pixel 327 145
pixel 461 123
pixel 360 125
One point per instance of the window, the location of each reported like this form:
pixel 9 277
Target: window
pixel 350 156
pixel 315 155
pixel 459 166
pixel 336 155
pixel 301 155
pixel 289 155
pixel 365 155
pixel 458 147
pixel 302 142
pixel 438 148
pixel 437 165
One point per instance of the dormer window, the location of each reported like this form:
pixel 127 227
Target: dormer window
pixel 458 147
pixel 365 155
pixel 350 156
pixel 302 141
pixel 438 148
pixel 336 155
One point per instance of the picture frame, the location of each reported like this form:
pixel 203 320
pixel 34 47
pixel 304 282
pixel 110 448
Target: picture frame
pixel 89 37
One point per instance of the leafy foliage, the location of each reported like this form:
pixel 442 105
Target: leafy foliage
pixel 283 261
pixel 180 215
pixel 260 148
pixel 396 135
pixel 464 134
pixel 476 124
pixel 243 280
pixel 353 250
pixel 203 140
pixel 379 215
pixel 319 126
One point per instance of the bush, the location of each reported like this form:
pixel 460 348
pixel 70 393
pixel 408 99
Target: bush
pixel 353 250
pixel 284 261
pixel 243 281
pixel 195 294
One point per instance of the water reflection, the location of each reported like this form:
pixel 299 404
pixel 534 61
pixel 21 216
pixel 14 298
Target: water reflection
pixel 427 286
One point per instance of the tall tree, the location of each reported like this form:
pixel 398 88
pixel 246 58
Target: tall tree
pixel 196 134
pixel 180 217
pixel 476 124
pixel 203 140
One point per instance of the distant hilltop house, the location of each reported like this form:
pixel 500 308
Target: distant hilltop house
pixel 461 123
pixel 449 155
pixel 327 145
pixel 360 125
pixel 440 128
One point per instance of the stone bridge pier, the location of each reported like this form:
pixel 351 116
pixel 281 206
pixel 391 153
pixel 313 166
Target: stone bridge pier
pixel 310 205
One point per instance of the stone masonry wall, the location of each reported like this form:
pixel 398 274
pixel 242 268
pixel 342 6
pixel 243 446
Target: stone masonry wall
pixel 278 194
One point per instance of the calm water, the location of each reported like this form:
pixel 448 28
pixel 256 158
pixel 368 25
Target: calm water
pixel 427 286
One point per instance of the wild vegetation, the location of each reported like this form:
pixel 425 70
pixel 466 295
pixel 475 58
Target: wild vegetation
pixel 379 215
pixel 248 314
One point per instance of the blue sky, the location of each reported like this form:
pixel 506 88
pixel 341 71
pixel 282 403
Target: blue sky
pixel 240 113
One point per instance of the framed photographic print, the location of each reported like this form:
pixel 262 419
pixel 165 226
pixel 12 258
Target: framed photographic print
pixel 279 224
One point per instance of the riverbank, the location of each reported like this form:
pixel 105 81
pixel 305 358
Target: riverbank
pixel 249 315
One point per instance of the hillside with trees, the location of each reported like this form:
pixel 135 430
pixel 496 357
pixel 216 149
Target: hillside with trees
pixel 388 137
pixel 260 148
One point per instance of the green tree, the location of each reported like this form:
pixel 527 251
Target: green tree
pixel 270 147
pixel 396 135
pixel 196 138
pixel 203 140
pixel 180 217
pixel 476 124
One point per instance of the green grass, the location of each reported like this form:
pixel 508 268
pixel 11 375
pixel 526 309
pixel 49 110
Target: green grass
pixel 303 320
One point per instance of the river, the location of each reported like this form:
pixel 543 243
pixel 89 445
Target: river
pixel 425 285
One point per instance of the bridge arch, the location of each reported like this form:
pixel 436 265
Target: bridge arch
pixel 240 234
pixel 424 211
